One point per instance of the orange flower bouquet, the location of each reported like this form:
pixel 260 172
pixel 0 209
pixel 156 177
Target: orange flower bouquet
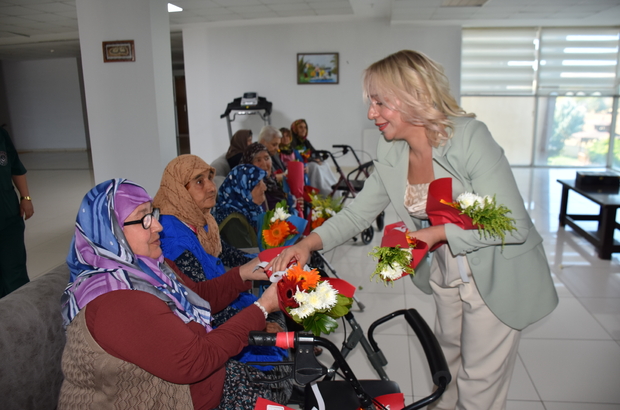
pixel 279 228
pixel 313 301
pixel 308 298
pixel 323 208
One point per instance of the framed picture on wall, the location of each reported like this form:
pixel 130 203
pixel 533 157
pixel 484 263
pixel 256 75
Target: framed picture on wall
pixel 118 51
pixel 317 68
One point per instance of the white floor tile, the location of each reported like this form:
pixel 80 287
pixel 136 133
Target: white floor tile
pixel 607 313
pixel 570 320
pixel 592 282
pixel 524 405
pixel 521 386
pixel 573 370
pixel 550 405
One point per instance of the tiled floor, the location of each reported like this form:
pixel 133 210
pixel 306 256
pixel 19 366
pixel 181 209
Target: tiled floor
pixel 570 360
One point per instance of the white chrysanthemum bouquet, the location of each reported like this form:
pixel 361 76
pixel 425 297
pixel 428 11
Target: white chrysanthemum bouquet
pixel 468 211
pixel 313 301
pixel 491 219
pixel 398 254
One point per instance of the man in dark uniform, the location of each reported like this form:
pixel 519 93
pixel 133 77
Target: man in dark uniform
pixel 13 272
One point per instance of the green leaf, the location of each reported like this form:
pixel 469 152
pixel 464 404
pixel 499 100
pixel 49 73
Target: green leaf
pixel 492 220
pixel 342 306
pixel 320 323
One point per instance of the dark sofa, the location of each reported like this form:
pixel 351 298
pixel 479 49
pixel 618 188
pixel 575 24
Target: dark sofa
pixel 31 343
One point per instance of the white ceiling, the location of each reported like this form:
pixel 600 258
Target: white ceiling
pixel 35 29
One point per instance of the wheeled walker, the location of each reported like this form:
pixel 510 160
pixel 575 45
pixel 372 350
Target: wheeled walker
pixel 352 183
pixel 322 392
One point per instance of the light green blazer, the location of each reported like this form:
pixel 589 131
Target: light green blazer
pixel 515 282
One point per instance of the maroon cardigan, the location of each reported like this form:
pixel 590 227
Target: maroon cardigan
pixel 140 328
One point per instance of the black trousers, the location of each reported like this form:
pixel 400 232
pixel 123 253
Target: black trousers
pixel 13 273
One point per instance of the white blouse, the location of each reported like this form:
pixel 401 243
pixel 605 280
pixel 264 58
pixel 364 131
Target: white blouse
pixel 415 200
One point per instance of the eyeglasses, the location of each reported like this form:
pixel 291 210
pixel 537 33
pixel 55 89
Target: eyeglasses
pixel 146 220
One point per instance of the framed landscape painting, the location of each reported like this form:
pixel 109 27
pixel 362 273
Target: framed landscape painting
pixel 317 68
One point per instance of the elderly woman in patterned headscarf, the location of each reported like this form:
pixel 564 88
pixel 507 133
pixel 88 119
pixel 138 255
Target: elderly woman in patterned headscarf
pixel 240 200
pixel 319 173
pixel 257 154
pixel 139 332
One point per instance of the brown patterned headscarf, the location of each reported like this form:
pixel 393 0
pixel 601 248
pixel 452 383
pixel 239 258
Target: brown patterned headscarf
pixel 174 199
pixel 238 143
pixel 295 132
pixel 251 151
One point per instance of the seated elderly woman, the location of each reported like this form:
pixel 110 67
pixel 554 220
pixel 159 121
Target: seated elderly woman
pixel 139 333
pixel 240 200
pixel 238 144
pixel 257 154
pixel 271 137
pixel 286 151
pixel 320 174
pixel 191 237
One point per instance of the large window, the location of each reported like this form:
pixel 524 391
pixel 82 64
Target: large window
pixel 549 95
pixel 576 131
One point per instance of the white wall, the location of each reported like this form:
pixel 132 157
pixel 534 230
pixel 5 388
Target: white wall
pixel 130 104
pixel 221 63
pixel 45 104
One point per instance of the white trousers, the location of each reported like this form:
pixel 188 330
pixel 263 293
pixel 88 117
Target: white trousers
pixel 479 348
pixel 321 177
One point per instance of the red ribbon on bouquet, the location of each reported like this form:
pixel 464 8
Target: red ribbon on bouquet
pixel 396 234
pixel 295 180
pixel 439 210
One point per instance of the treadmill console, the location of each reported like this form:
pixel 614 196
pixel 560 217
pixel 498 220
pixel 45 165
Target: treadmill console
pixel 249 98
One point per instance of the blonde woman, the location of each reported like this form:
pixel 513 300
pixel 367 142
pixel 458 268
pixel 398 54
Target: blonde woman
pixel 484 294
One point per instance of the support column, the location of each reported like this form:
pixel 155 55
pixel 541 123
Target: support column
pixel 130 105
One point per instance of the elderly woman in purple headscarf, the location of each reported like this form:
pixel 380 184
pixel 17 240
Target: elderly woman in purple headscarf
pixel 139 332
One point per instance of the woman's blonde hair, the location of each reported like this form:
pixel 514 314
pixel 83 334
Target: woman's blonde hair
pixel 416 86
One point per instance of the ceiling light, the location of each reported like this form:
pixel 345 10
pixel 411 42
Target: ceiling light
pixel 587 75
pixel 590 50
pixel 173 9
pixel 588 62
pixel 592 37
pixel 522 63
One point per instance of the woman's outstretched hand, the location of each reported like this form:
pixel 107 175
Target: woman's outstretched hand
pixel 299 252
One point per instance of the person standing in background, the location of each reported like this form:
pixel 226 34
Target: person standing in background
pixel 13 211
